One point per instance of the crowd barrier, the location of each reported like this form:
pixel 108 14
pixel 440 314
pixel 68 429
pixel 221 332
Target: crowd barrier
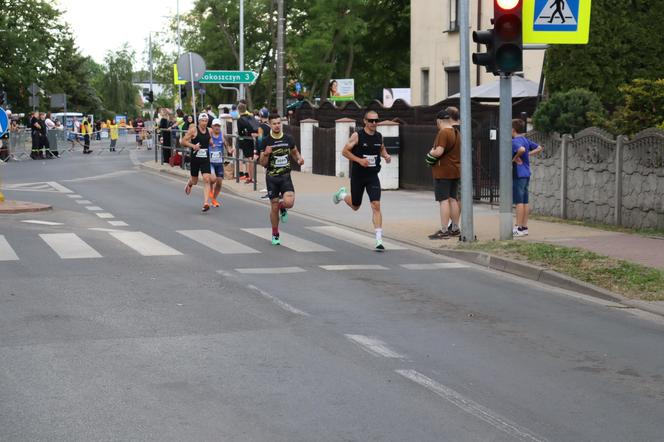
pixel 166 152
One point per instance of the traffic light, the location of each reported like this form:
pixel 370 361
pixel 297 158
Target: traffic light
pixel 508 38
pixel 183 92
pixel 504 43
pixel 150 96
pixel 486 59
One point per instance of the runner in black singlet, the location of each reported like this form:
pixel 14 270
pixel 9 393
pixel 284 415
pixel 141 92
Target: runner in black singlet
pixel 197 139
pixel 365 149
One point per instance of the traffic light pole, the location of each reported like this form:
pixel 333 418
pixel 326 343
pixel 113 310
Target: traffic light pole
pixel 467 233
pixel 505 157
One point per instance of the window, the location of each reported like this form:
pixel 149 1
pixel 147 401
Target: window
pixel 453 79
pixel 425 87
pixel 454 16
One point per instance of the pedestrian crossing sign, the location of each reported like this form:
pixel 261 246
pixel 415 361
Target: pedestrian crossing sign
pixel 556 21
pixel 4 122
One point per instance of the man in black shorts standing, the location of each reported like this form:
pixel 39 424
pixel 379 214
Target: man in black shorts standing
pixel 365 149
pixel 197 139
pixel 275 156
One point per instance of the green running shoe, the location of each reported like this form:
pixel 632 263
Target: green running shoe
pixel 275 240
pixel 336 198
pixel 283 215
pixel 379 246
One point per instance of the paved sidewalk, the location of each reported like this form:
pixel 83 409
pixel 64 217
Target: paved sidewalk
pixel 412 215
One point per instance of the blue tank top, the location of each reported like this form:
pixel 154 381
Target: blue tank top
pixel 217 149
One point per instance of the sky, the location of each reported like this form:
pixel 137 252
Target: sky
pixel 100 26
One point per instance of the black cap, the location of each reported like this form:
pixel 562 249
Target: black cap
pixel 443 115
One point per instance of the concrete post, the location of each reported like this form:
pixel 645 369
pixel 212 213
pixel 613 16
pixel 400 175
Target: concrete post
pixel 620 144
pixel 389 173
pixel 307 143
pixel 563 176
pixel 341 135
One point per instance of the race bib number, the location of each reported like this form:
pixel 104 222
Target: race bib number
pixel 281 161
pixel 372 160
pixel 201 153
pixel 215 157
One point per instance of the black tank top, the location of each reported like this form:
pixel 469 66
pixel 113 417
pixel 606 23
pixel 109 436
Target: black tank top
pixel 202 138
pixel 368 146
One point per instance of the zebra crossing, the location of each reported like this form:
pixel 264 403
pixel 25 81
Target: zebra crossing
pixel 71 246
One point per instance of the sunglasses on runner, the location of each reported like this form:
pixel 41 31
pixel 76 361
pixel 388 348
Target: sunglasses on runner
pixel 372 120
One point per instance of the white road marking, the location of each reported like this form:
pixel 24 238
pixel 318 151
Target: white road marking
pixel 44 223
pixel 118 223
pixel 270 270
pixel 290 241
pixel 75 196
pixel 59 187
pixel 284 305
pixel 374 346
pixel 6 251
pixel 69 246
pixel 104 215
pixel 103 229
pixel 356 238
pixel 83 202
pixel 353 267
pixel 144 244
pixel 217 242
pixel 100 177
pixel 472 407
pixel 435 266
pixel 94 208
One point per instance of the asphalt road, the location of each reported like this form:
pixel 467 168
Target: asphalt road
pixel 185 326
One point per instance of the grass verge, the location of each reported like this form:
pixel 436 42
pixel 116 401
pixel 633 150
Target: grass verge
pixel 634 281
pixel 609 227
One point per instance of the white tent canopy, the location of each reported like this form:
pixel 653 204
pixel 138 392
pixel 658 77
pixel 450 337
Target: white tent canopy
pixel 521 88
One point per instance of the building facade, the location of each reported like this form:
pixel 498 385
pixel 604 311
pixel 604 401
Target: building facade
pixel 434 49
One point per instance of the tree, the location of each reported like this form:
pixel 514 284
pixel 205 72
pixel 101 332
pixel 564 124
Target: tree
pixel 569 112
pixel 118 91
pixel 30 29
pixel 75 75
pixel 642 107
pixel 625 44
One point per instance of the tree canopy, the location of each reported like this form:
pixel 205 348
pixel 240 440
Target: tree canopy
pixel 625 44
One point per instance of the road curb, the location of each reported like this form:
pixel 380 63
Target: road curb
pixel 13 207
pixel 545 276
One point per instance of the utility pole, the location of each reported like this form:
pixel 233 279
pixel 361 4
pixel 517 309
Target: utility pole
pixel 467 233
pixel 177 15
pixel 242 44
pixel 154 128
pixel 280 57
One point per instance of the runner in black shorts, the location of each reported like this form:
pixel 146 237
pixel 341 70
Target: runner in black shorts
pixel 365 149
pixel 198 139
pixel 276 153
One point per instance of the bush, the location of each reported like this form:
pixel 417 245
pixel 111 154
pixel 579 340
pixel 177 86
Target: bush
pixel 643 107
pixel 569 112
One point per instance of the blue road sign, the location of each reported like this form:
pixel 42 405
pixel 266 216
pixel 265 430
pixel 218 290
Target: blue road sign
pixel 556 15
pixel 4 122
pixel 298 87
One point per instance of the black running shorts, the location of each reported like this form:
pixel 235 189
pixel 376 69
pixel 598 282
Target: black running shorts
pixel 201 165
pixel 278 185
pixel 444 189
pixel 360 183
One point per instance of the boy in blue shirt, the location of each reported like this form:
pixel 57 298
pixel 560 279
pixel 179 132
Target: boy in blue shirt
pixel 522 149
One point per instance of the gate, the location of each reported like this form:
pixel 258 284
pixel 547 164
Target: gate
pixel 324 161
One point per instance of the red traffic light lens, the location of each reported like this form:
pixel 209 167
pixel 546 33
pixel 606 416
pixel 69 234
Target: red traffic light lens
pixel 508 27
pixel 507 5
